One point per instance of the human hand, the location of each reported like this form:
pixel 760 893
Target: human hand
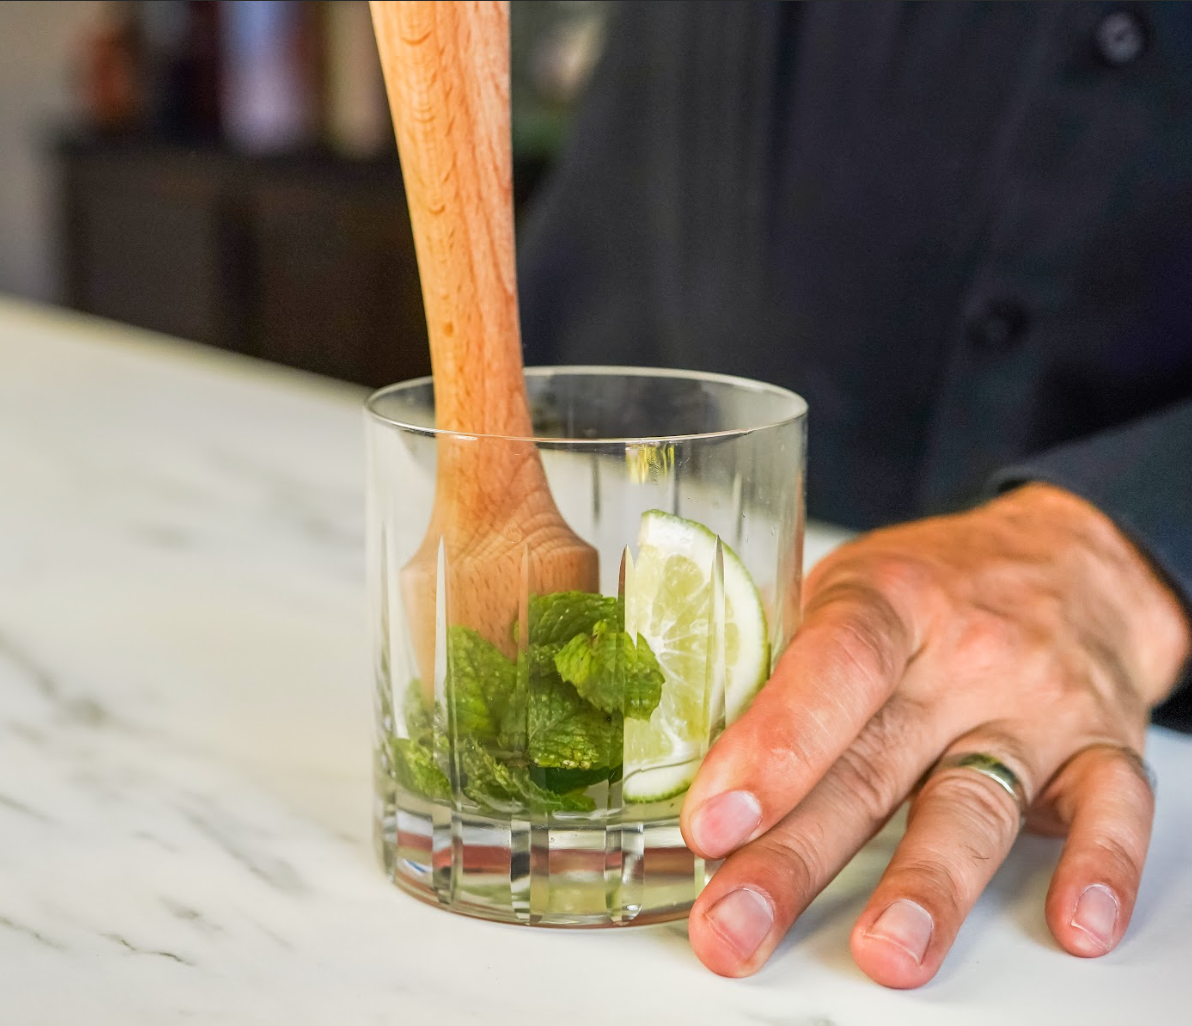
pixel 1028 629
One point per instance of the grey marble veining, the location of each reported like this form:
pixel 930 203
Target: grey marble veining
pixel 184 765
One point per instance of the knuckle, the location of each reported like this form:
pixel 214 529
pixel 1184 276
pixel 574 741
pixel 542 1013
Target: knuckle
pixel 1118 777
pixel 868 641
pixel 989 638
pixel 765 741
pixel 868 784
pixel 868 772
pixel 1103 767
pixel 887 566
pixel 922 875
pixel 801 873
pixel 1109 682
pixel 1080 709
pixel 1116 860
pixel 982 808
pixel 902 571
pixel 1122 772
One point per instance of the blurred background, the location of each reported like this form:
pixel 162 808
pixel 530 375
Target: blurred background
pixel 225 170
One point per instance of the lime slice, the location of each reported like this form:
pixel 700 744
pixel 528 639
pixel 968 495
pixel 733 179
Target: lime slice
pixel 704 653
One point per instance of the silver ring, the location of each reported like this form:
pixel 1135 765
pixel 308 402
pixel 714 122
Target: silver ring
pixel 994 769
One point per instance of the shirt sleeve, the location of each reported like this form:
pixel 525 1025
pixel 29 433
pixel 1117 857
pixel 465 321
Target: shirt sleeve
pixel 1140 476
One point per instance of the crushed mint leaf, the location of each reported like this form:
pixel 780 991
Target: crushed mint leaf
pixel 563 781
pixel 480 683
pixel 535 733
pixel 563 731
pixel 416 715
pixel 416 770
pixel 497 785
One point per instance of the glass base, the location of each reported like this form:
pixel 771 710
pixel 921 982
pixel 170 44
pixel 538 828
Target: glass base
pixel 581 872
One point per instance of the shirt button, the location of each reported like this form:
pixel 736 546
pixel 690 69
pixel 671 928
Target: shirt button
pixel 998 327
pixel 1121 38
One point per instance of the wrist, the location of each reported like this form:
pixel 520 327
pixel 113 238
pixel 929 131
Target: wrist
pixel 1156 631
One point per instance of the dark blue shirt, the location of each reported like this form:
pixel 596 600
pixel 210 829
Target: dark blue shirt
pixel 963 231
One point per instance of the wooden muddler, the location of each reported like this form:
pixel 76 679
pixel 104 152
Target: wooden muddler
pixel 446 71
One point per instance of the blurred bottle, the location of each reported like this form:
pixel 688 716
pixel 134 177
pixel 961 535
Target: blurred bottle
pixel 112 69
pixel 201 68
pixel 164 27
pixel 272 70
pixel 358 123
pixel 564 58
pixel 181 46
pixel 554 47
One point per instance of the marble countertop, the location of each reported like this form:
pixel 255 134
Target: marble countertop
pixel 184 752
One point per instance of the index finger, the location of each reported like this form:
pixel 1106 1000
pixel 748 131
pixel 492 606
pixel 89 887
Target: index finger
pixel 845 661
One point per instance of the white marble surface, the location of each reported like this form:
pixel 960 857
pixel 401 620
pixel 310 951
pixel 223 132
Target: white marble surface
pixel 184 770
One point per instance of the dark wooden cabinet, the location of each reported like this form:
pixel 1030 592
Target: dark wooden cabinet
pixel 305 260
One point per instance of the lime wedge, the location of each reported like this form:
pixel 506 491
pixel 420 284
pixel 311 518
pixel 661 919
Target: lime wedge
pixel 671 599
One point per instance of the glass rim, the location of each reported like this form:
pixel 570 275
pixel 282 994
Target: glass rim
pixel 798 406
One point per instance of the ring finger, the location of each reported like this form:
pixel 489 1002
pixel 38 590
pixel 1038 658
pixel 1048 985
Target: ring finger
pixel 961 825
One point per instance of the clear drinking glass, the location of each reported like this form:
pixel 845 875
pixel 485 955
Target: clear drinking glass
pixel 510 785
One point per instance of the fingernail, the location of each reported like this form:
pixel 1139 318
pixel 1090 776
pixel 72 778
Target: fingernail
pixel 743 918
pixel 1096 914
pixel 725 822
pixel 906 924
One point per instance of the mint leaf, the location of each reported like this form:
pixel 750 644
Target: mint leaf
pixel 416 716
pixel 643 678
pixel 481 681
pixel 485 780
pixel 524 736
pixel 535 672
pixel 612 672
pixel 564 731
pixel 556 619
pixel 511 731
pixel 548 723
pixel 416 770
pixel 496 785
pixel 564 780
pixel 540 664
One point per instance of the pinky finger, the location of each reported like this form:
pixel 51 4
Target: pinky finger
pixel 1104 798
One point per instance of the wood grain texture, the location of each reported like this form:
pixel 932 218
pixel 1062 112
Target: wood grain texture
pixel 447 72
pixel 446 68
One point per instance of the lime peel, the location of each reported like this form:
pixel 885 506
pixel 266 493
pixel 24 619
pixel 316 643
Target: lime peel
pixel 670 593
